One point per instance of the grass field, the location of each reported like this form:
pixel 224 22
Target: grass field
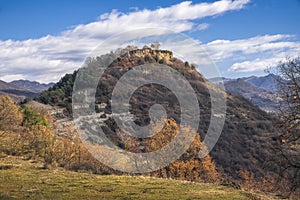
pixel 20 179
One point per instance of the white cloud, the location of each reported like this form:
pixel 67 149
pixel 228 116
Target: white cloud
pixel 221 49
pixel 254 65
pixel 253 54
pixel 9 78
pixel 260 64
pixel 48 58
pixel 177 18
pixel 203 26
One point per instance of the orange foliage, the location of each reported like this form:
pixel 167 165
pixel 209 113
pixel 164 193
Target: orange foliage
pixel 188 167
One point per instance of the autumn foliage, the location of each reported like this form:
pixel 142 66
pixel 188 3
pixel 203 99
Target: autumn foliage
pixel 188 167
pixel 30 132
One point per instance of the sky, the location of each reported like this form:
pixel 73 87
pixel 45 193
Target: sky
pixel 42 40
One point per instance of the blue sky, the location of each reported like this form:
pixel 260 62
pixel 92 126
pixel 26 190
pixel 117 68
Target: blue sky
pixel 243 37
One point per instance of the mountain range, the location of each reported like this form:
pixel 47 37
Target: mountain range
pixel 268 82
pixel 261 91
pixel 32 85
pixel 22 89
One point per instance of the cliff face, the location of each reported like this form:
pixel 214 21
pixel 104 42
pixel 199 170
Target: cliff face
pixel 148 54
pixel 244 143
pixel 159 54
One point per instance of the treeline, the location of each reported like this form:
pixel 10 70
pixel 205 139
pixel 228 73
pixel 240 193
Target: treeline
pixel 60 94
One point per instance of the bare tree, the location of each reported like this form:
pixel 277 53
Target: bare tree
pixel 288 149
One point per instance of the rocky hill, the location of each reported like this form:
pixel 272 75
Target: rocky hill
pixel 245 140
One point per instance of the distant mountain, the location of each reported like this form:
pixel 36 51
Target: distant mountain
pixel 268 82
pixel 16 93
pixel 32 85
pixel 261 91
pixel 262 98
pixel 219 80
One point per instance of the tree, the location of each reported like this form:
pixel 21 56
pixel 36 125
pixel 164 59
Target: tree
pixel 288 150
pixel 10 121
pixel 155 45
pixel 289 91
pixel 10 115
pixel 40 139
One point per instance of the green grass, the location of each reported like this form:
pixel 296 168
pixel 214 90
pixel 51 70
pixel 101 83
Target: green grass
pixel 20 179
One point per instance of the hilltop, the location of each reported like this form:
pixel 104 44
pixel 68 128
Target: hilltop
pixel 245 142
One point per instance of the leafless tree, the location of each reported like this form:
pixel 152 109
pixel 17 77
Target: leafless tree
pixel 288 148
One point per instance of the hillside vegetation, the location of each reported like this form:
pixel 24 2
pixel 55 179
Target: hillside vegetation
pixel 31 132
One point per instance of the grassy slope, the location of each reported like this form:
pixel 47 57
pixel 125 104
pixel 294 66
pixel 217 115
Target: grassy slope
pixel 21 179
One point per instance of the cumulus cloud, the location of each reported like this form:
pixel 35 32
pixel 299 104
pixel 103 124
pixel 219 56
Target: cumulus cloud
pixel 48 58
pixel 227 48
pixel 253 65
pixel 259 64
pixel 266 51
pixel 177 18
